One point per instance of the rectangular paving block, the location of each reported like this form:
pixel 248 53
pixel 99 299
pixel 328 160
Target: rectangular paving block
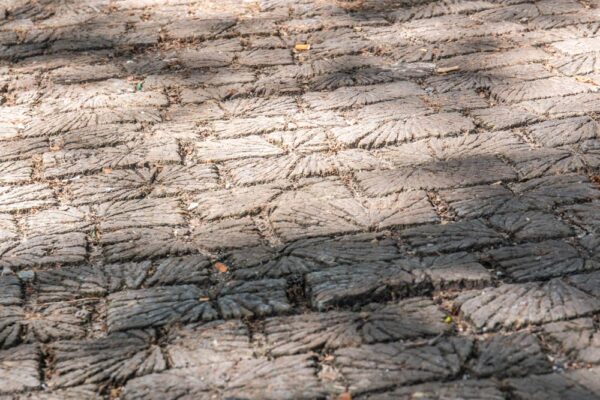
pixel 361 95
pixel 138 153
pixel 14 198
pixel 580 64
pixel 52 122
pixel 19 368
pixel 159 306
pixel 210 343
pixel 578 338
pixel 535 261
pixel 436 175
pixel 578 104
pixel 18 171
pixel 230 149
pixel 383 366
pixel 292 377
pixel 357 283
pixel 401 320
pixel 484 60
pixel 414 128
pixel 562 132
pixel 23 148
pixel 453 27
pixel 124 355
pixel 198 28
pixel 40 249
pixel 138 213
pixel 540 89
pixel 322 215
pixel 58 221
pixel 139 243
pixel 520 305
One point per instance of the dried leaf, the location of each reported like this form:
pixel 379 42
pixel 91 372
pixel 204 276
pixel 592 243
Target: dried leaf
pixel 221 267
pixel 328 373
pixel 446 70
pixel 302 47
pixel 585 79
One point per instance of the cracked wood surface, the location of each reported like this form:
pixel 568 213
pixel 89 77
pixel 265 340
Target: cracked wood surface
pixel 299 199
